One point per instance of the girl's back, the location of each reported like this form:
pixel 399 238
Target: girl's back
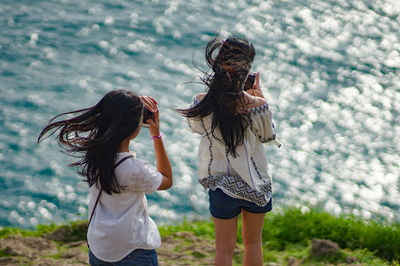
pixel 234 121
pixel 121 222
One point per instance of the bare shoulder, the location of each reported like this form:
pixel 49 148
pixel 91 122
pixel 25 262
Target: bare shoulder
pixel 200 96
pixel 254 101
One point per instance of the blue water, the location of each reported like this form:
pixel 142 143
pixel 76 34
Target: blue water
pixel 330 69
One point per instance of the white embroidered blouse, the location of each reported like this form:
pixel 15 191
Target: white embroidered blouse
pixel 247 176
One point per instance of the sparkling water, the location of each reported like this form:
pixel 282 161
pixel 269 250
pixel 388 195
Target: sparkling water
pixel 330 71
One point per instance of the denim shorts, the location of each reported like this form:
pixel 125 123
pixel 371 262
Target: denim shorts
pixel 138 257
pixel 223 206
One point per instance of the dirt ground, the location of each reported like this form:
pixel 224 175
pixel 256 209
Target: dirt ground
pixel 182 248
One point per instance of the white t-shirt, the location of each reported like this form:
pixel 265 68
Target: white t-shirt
pixel 121 222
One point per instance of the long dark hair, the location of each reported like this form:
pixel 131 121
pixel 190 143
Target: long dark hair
pixel 224 98
pixel 96 133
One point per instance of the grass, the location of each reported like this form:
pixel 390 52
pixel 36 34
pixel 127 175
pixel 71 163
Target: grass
pixel 291 230
pixel 204 229
pixel 73 231
pixel 287 235
pixel 3 252
pixel 292 226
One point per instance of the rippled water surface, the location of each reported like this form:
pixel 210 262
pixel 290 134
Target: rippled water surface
pixel 330 69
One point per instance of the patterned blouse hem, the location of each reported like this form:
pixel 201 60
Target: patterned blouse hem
pixel 237 188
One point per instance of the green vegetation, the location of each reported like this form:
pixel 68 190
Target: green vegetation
pixel 74 231
pixel 287 236
pixel 293 226
pixel 204 229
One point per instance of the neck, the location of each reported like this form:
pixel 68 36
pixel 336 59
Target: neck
pixel 124 147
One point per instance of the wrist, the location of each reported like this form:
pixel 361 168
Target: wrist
pixel 159 136
pixel 258 93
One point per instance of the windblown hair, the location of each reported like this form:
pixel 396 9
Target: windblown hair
pixel 96 133
pixel 225 82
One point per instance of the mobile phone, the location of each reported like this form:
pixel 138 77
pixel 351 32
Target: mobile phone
pixel 249 84
pixel 146 116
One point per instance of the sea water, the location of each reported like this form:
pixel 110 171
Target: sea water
pixel 329 69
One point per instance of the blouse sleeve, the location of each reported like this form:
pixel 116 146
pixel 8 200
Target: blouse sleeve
pixel 196 125
pixel 144 177
pixel 262 124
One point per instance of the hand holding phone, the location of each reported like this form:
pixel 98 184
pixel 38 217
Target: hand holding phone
pixel 255 88
pixel 146 116
pixel 249 84
pixel 150 107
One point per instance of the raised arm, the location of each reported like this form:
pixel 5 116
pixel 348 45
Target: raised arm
pixel 162 160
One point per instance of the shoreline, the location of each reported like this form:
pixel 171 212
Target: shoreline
pixel 290 237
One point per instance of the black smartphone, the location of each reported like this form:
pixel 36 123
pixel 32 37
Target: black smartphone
pixel 249 84
pixel 146 116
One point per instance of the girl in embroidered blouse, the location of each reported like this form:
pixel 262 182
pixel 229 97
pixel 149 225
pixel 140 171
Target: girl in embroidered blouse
pixel 234 123
pixel 120 229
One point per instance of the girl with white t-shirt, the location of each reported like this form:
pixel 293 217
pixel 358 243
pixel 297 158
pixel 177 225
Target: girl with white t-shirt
pixel 120 229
